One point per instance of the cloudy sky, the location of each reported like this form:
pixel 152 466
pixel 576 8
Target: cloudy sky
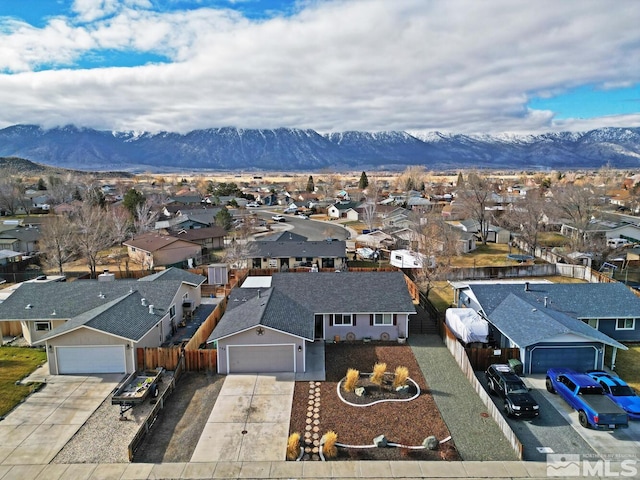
pixel 461 66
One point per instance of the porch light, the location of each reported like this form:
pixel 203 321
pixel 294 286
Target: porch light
pixel 299 348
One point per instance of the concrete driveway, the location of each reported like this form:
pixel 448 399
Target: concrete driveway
pixel 250 420
pixel 36 430
pixel 615 444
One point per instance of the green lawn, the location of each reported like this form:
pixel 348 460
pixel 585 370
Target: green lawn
pixel 489 255
pixel 552 239
pixel 627 365
pixel 15 364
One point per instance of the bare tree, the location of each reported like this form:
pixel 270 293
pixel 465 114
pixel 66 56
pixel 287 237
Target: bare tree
pixel 411 179
pixel 370 206
pixel 93 233
pixel 578 204
pixel 525 217
pixel 11 191
pixel 57 242
pixel 474 197
pixel 145 216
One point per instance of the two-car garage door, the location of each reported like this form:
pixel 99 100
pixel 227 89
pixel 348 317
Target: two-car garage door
pixel 95 359
pixel 261 358
pixel 579 358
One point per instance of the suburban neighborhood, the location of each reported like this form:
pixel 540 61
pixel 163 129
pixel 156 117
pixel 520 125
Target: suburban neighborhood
pixel 213 339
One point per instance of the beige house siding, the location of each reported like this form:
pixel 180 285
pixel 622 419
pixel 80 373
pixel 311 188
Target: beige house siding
pixel 31 334
pixel 267 263
pixel 176 252
pixel 84 337
pixel 269 337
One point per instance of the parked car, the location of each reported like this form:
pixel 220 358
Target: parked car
pixel 587 397
pixel 504 382
pixel 253 204
pixel 617 390
pixel 278 218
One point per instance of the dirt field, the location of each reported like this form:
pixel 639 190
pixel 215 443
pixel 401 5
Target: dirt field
pixel 176 432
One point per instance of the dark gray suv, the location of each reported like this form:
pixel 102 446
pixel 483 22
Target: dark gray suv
pixel 518 402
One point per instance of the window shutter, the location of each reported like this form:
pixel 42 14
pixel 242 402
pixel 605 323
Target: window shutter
pixel 331 320
pixel 353 319
pixel 395 318
pixel 371 319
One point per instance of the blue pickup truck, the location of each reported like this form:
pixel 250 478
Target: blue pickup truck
pixel 587 397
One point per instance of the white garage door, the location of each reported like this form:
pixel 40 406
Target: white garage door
pixel 261 358
pixel 98 359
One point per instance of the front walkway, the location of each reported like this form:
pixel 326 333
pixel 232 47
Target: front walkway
pixel 476 437
pixel 249 421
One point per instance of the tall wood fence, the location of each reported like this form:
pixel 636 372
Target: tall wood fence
pixel 458 352
pixel 11 329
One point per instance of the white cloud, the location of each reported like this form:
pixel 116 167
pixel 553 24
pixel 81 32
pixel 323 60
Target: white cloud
pixel 449 65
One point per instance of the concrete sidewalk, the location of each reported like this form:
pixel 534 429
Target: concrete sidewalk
pixel 250 420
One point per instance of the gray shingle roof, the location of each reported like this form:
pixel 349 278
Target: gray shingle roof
pixel 286 249
pixel 294 298
pixel 269 308
pixel 175 274
pixel 579 300
pixel 124 317
pixel 525 322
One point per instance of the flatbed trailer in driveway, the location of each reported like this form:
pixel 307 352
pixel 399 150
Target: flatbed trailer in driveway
pixel 135 389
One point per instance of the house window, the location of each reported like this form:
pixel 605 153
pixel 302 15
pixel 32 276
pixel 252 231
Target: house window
pixel 592 322
pixel 298 259
pixel 344 319
pixel 383 319
pixel 43 326
pixel 625 324
pixel 172 311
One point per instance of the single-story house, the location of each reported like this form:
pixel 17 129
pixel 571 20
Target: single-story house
pixel 556 325
pixel 95 326
pixel 345 209
pixel 268 329
pixel 9 256
pixel 153 250
pixel 21 239
pixel 375 239
pixel 209 238
pixel 285 254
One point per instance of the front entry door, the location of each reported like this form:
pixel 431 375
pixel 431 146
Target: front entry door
pixel 319 330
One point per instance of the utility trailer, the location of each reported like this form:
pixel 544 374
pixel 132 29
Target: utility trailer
pixel 135 389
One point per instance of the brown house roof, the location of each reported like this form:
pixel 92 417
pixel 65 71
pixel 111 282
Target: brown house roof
pixel 152 242
pixel 196 234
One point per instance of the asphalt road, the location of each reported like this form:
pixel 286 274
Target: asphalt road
pixel 312 229
pixel 549 433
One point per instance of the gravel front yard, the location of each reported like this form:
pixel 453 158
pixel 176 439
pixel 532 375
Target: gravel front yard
pixel 173 437
pixel 407 423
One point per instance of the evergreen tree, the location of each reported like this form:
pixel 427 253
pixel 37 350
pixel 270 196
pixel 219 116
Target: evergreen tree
pixel 131 200
pixel 224 219
pixel 310 185
pixel 364 181
pixel 460 182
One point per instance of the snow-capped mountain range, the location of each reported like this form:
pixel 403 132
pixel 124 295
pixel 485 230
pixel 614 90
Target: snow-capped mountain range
pixel 290 149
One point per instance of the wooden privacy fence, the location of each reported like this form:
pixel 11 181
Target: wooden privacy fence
pixel 462 360
pixel 481 358
pixel 203 332
pixel 11 329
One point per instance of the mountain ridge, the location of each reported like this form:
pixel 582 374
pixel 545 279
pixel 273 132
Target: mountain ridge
pixel 291 149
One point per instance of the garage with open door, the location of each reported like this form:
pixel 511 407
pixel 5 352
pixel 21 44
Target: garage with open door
pixel 577 357
pixel 93 359
pixel 261 358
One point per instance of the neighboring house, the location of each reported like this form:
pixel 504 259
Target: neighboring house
pixel 185 200
pixel 9 256
pixel 556 325
pixel 375 239
pixel 95 326
pixel 209 238
pixel 288 253
pixel 344 209
pixel 21 239
pixel 268 329
pixel 152 250
pixel 607 226
pixel 494 234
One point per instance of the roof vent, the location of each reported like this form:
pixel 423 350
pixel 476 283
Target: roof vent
pixel 53 313
pixel 151 311
pixel 28 307
pixel 143 302
pixel 101 295
pixel 526 286
pixel 546 300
